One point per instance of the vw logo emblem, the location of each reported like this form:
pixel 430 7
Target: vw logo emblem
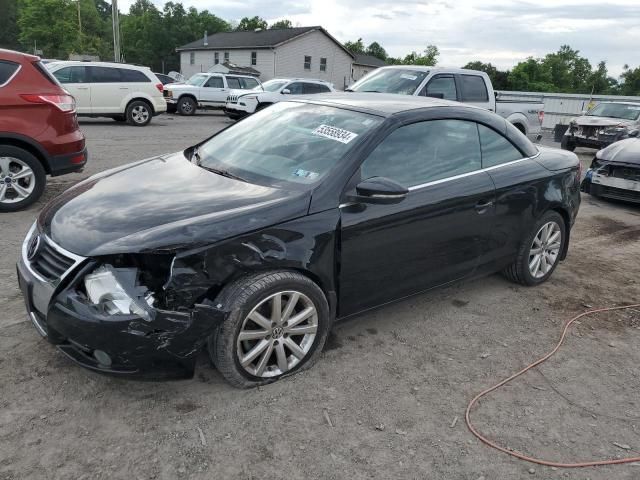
pixel 33 247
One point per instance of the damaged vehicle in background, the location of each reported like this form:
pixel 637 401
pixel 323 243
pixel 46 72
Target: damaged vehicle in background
pixel 305 212
pixel 603 125
pixel 615 172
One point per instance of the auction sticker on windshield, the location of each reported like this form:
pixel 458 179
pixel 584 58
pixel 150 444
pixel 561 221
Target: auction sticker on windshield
pixel 335 133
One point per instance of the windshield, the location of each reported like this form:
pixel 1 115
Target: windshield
pixel 273 85
pixel 391 80
pixel 616 110
pixel 197 79
pixel 286 144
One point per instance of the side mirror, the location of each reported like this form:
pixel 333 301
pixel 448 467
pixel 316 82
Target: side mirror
pixel 634 133
pixel 286 91
pixel 380 190
pixel 583 112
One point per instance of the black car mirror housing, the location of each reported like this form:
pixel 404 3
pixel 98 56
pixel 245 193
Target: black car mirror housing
pixel 380 190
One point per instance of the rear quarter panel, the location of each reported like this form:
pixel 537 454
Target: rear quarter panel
pixel 527 189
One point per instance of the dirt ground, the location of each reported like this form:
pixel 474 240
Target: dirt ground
pixel 392 382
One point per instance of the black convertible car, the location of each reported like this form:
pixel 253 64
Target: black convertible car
pixel 252 243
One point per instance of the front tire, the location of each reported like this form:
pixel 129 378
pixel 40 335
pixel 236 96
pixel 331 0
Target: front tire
pixel 22 178
pixel 278 324
pixel 567 144
pixel 540 252
pixel 187 106
pixel 139 113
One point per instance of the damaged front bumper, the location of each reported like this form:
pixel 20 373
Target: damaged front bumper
pixel 126 345
pixel 613 180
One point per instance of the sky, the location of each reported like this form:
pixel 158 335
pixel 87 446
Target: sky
pixel 501 32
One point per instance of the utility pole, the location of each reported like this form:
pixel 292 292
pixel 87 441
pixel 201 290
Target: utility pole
pixel 79 25
pixel 116 31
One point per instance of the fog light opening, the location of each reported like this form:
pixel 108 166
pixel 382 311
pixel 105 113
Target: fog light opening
pixel 102 357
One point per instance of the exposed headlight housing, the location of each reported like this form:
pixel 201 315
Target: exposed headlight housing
pixel 116 291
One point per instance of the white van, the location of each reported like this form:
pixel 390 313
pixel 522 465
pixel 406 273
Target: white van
pixel 122 92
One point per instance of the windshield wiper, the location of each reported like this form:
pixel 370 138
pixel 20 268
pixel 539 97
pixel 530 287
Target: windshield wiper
pixel 371 91
pixel 195 155
pixel 224 173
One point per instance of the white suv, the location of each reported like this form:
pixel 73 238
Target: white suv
pixel 206 90
pixel 122 92
pixel 240 104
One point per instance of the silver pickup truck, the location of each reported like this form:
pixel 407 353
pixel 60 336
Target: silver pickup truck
pixel 467 86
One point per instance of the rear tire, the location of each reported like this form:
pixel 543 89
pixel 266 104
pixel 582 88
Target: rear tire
pixel 270 350
pixel 139 113
pixel 187 106
pixel 19 193
pixel 567 144
pixel 524 270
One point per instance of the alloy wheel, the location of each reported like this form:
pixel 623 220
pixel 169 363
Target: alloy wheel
pixel 277 334
pixel 17 180
pixel 186 107
pixel 140 114
pixel 545 249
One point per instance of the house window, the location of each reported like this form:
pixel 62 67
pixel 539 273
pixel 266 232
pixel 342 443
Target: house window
pixel 307 62
pixel 254 58
pixel 216 58
pixel 226 56
pixel 323 64
pixel 192 58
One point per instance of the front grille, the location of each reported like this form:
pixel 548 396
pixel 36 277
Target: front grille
pixel 49 262
pixel 627 173
pixel 589 131
pixel 232 99
pixel 620 194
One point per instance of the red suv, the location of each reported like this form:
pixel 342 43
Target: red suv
pixel 39 132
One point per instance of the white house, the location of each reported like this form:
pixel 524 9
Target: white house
pixel 302 52
pixel 363 64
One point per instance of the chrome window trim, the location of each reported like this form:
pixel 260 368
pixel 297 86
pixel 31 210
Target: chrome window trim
pixel 77 259
pixel 468 174
pixel 12 75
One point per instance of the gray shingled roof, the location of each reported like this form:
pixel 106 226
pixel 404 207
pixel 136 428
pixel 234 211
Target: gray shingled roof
pixel 368 60
pixel 252 39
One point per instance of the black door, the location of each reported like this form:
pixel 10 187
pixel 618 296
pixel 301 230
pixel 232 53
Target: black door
pixel 520 184
pixel 438 234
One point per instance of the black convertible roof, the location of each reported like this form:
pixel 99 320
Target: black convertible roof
pixel 383 104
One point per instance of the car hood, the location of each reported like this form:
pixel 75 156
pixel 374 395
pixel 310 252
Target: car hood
pixel 624 151
pixel 592 121
pixel 163 204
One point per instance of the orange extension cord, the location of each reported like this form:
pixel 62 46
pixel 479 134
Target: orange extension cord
pixel 522 456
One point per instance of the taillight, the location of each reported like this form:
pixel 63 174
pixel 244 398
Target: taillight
pixel 541 116
pixel 160 87
pixel 64 103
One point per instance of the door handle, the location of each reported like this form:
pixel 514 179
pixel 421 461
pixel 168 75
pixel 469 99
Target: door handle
pixel 483 205
pixel 82 88
pixel 124 88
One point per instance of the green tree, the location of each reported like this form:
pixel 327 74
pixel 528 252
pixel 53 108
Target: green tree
pixel 599 82
pixel 281 24
pixel 249 24
pixel 377 51
pixel 429 57
pixel 355 47
pixel 9 29
pixel 531 75
pixel 630 81
pixel 51 25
